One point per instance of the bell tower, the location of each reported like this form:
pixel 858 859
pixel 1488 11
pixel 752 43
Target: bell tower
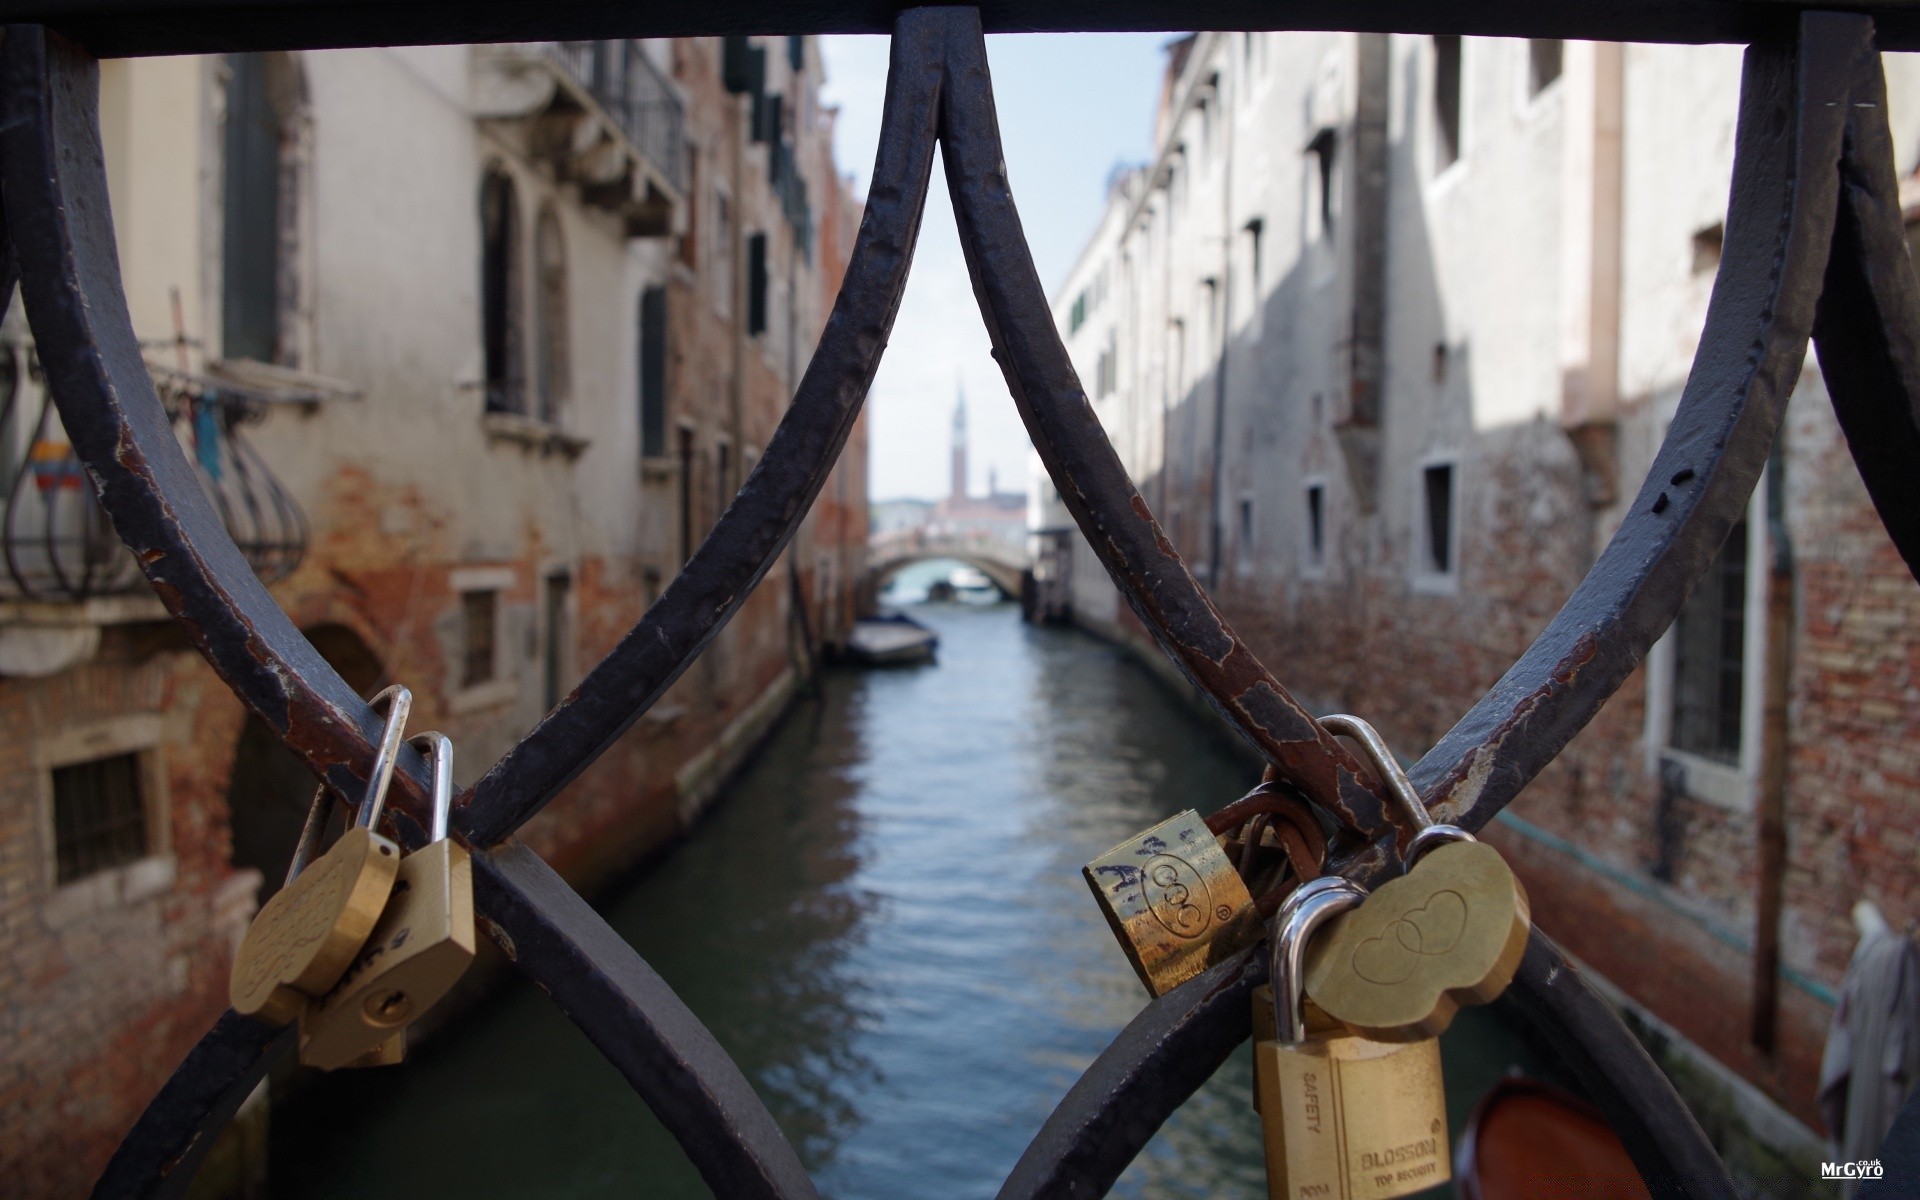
pixel 959 489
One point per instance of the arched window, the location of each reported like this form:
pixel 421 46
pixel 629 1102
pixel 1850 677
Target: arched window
pixel 500 293
pixel 550 341
pixel 266 101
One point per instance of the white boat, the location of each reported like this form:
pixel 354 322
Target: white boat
pixel 891 640
pixel 971 585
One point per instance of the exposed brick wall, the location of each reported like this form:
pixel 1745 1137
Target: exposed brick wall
pixel 99 1001
pixel 1364 640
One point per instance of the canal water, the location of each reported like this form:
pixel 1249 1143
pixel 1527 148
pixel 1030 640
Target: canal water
pixel 883 921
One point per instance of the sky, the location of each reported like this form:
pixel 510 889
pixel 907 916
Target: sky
pixel 1071 108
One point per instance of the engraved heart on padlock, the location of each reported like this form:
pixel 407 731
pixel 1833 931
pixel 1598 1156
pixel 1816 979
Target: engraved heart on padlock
pixel 1433 928
pixel 1448 933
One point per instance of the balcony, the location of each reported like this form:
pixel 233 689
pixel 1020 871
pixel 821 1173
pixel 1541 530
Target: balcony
pixel 602 115
pixel 64 565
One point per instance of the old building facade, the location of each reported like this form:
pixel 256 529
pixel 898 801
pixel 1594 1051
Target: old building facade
pixel 472 345
pixel 1388 334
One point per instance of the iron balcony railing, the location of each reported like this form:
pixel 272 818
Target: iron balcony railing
pixel 57 544
pixel 623 81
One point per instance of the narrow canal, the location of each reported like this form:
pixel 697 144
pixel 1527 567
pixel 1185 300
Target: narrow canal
pixel 884 923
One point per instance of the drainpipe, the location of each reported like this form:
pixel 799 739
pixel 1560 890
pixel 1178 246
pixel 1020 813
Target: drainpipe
pixel 1771 823
pixel 1227 120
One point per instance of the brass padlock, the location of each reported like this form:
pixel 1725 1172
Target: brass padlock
pixel 306 936
pixel 1449 932
pixel 418 951
pixel 1345 1117
pixel 1174 901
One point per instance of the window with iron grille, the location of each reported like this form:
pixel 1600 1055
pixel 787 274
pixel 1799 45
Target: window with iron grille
pixel 99 816
pixel 479 611
pixel 1709 660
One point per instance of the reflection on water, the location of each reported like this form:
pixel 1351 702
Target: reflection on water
pixel 884 923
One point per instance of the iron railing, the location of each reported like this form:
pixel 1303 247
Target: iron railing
pixel 56 541
pixel 623 81
pixel 1814 252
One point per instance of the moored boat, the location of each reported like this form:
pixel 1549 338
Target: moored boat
pixel 891 639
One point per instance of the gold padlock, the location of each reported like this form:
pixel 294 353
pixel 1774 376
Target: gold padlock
pixel 1344 1117
pixel 1449 932
pixel 306 936
pixel 1174 901
pixel 417 952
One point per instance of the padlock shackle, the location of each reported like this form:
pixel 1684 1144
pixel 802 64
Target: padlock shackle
pixel 1435 835
pixel 399 702
pixel 438 748
pixel 1311 905
pixel 1384 763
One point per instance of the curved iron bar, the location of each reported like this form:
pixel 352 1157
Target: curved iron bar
pixel 776 495
pixel 639 1023
pixel 1092 481
pixel 1780 222
pixel 669 1058
pixel 96 370
pixel 1779 229
pixel 1867 327
pixel 56 207
pixel 160 1155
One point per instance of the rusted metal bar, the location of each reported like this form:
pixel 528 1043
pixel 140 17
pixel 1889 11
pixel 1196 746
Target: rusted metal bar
pixel 1090 477
pixel 639 1024
pixel 763 516
pixel 1868 324
pixel 595 977
pixel 1780 222
pixel 58 219
pixel 158 1157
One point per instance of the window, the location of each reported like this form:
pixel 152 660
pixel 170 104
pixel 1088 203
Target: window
pixel 1243 545
pixel 722 478
pixel 1446 101
pixel 1077 315
pixel 559 636
pixel 479 616
pixel 1436 520
pixel 1253 229
pixel 1320 183
pixel 1709 658
pixel 256 204
pixel 756 285
pixel 1316 543
pixel 690 240
pixel 723 235
pixel 1543 63
pixel 99 816
pixel 500 292
pixel 1706 248
pixel 686 493
pixel 653 372
pixel 551 365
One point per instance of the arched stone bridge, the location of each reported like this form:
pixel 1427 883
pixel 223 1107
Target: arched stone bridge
pixel 993 556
